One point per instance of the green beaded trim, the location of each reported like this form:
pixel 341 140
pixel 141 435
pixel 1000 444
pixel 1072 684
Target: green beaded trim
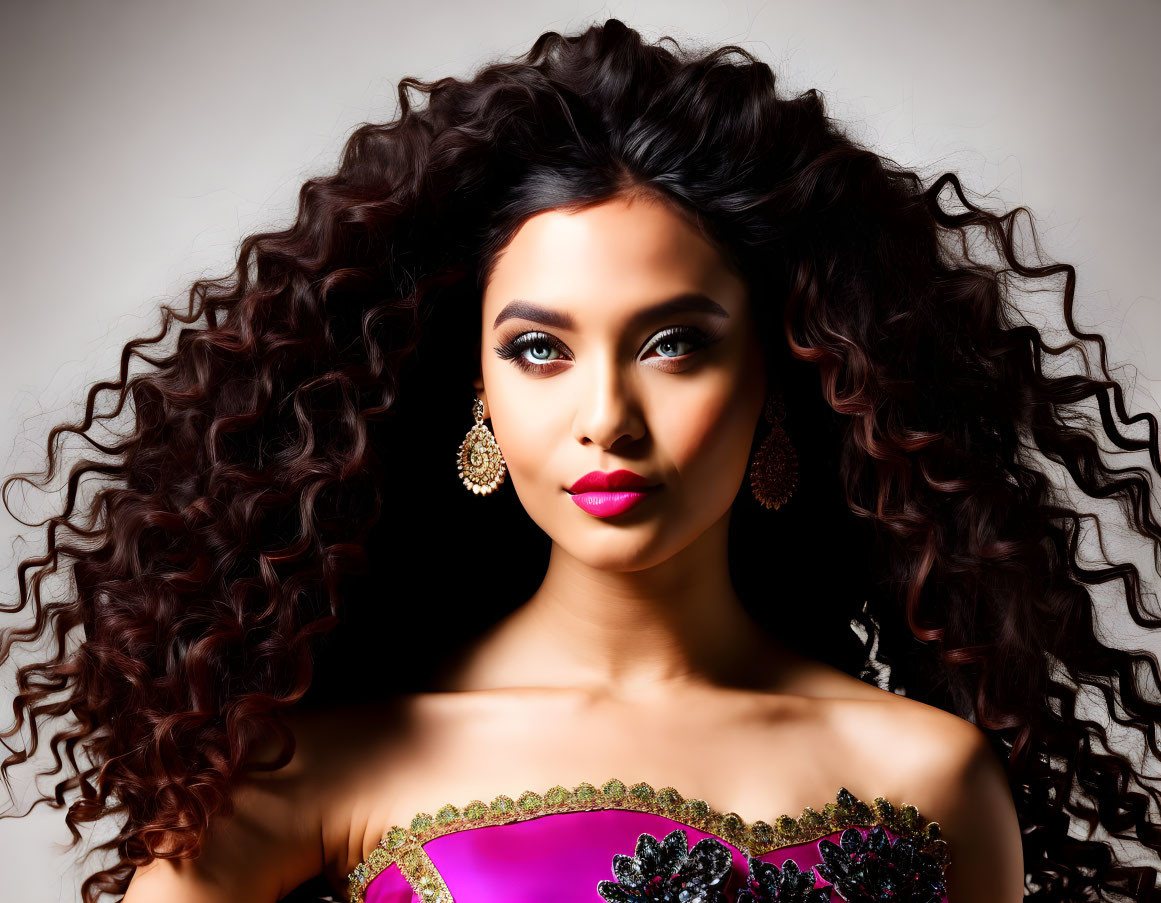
pixel 404 845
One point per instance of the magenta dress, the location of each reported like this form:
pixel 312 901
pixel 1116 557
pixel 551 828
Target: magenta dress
pixel 624 843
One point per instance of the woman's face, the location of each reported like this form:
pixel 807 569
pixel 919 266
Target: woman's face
pixel 626 343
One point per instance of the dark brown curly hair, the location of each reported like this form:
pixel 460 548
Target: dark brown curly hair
pixel 283 495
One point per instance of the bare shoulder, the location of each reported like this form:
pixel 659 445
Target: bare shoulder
pixel 946 768
pixel 265 847
pixel 345 757
pixel 961 783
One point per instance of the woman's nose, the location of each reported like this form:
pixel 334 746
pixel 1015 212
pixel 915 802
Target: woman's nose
pixel 607 410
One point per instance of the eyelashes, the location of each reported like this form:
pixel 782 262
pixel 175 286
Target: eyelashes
pixel 514 348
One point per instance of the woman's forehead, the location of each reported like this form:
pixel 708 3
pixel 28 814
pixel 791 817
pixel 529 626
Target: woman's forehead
pixel 622 253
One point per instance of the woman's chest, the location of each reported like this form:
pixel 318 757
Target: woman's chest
pixel 509 793
pixel 756 758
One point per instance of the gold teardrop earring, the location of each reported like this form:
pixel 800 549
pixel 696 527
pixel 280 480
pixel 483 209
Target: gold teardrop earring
pixel 774 468
pixel 478 461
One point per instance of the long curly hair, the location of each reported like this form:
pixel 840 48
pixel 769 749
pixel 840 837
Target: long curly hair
pixel 281 494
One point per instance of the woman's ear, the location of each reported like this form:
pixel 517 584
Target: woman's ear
pixel 478 385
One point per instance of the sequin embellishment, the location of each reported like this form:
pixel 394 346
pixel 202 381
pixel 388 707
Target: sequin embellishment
pixel 765 883
pixel 860 869
pixel 404 846
pixel 668 871
pixel 872 868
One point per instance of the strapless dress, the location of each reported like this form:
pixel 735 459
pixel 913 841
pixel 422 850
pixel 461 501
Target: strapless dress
pixel 626 843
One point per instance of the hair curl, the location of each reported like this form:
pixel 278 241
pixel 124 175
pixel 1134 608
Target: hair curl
pixel 266 445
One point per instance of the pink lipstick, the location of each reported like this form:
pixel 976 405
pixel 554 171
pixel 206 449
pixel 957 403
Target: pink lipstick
pixel 606 494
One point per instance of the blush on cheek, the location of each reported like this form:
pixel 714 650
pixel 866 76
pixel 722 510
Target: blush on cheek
pixel 715 430
pixel 525 442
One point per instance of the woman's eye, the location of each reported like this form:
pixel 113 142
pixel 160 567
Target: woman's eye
pixel 539 352
pixel 667 346
pixel 538 347
pixel 679 341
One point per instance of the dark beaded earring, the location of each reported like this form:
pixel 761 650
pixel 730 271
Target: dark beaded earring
pixel 774 467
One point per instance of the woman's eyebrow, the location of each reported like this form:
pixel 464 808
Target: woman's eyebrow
pixel 687 302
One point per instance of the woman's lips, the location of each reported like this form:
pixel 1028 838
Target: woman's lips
pixel 606 504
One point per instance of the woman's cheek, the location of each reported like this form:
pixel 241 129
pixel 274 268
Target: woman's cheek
pixel 705 431
pixel 525 436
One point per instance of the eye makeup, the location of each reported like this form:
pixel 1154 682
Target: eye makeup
pixel 513 349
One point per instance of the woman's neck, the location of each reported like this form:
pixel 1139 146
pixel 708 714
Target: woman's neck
pixel 628 634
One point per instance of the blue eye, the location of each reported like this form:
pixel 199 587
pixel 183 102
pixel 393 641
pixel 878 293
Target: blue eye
pixel 539 346
pixel 670 343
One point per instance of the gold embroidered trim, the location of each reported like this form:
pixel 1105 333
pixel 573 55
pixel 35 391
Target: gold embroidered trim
pixel 405 845
pixel 415 866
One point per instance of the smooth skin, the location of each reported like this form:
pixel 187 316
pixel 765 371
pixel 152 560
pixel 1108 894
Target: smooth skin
pixel 634 658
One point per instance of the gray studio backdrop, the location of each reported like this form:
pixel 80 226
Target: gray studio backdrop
pixel 141 140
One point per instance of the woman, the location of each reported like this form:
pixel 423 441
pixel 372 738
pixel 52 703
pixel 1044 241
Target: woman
pixel 772 541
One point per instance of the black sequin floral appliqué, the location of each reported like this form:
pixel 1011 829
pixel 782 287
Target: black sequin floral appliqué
pixel 872 869
pixel 766 884
pixel 669 870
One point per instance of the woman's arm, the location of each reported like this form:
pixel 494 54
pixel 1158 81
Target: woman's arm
pixel 270 844
pixel 266 848
pixel 982 828
pixel 956 779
